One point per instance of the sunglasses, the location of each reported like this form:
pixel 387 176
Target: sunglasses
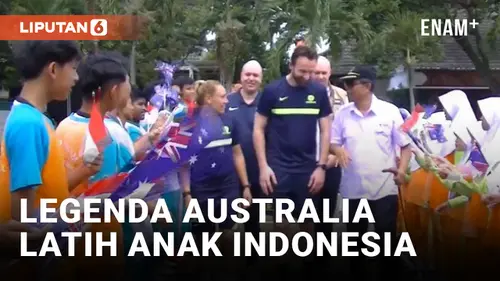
pixel 353 82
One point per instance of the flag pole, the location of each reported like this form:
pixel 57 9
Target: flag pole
pixel 409 68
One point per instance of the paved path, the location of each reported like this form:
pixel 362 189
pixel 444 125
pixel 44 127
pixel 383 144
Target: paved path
pixel 3 116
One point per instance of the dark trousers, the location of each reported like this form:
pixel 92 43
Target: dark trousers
pixel 330 191
pixel 385 211
pixel 253 225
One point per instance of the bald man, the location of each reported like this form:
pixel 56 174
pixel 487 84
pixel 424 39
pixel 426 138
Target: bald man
pixel 337 97
pixel 241 107
pixel 322 73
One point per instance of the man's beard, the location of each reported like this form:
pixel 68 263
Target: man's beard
pixel 299 80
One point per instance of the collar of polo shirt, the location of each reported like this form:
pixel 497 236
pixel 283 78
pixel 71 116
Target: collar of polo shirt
pixel 373 107
pixel 242 101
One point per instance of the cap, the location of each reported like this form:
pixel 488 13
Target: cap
pixel 361 72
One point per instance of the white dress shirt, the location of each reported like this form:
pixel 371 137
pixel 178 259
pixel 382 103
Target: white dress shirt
pixel 372 142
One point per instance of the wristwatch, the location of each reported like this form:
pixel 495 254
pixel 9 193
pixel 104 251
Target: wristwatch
pixel 245 186
pixel 322 166
pixel 186 194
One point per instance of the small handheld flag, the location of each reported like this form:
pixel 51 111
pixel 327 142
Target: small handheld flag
pixel 97 137
pixel 477 159
pixel 413 120
pixel 436 132
pixel 97 129
pixel 429 110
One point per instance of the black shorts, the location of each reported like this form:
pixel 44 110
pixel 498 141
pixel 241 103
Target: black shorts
pixel 294 186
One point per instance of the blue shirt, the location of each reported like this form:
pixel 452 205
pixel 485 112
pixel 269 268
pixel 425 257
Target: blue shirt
pixel 135 131
pixel 214 165
pixel 26 145
pixel 293 114
pixel 125 145
pixel 31 156
pixel 243 116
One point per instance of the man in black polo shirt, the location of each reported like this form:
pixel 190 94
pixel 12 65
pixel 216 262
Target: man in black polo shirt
pixel 242 106
pixel 285 132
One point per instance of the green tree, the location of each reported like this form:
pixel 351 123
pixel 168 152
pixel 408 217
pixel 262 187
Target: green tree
pixel 398 42
pixel 333 22
pixel 174 30
pixel 480 44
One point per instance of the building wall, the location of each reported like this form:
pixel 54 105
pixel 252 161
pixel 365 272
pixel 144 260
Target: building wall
pixel 454 78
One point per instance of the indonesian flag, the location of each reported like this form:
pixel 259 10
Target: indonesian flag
pixel 413 120
pixel 97 137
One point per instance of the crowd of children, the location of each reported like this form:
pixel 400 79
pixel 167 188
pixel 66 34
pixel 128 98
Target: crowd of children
pixel 449 204
pixel 39 160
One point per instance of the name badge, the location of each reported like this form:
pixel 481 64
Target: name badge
pixel 382 128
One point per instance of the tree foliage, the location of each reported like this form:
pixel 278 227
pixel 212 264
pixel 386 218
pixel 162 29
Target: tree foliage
pixel 382 32
pixel 397 25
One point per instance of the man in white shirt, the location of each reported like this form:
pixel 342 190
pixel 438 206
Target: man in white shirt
pixel 337 97
pixel 365 138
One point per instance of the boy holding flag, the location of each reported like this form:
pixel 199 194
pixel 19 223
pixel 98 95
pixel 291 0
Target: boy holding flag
pixel 103 86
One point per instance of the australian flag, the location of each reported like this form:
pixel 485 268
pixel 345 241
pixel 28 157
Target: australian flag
pixel 477 159
pixel 178 146
pixel 436 132
pixel 429 110
pixel 180 142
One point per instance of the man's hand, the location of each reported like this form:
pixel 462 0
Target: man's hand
pixel 332 161
pixel 95 166
pixel 267 180
pixel 343 157
pixel 399 176
pixel 316 181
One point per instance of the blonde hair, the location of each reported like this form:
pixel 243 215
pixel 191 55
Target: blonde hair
pixel 198 83
pixel 205 89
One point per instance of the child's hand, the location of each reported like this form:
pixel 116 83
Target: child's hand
pixel 491 199
pixel 440 160
pixel 160 121
pixel 443 172
pixel 442 208
pixel 95 165
pixel 154 134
